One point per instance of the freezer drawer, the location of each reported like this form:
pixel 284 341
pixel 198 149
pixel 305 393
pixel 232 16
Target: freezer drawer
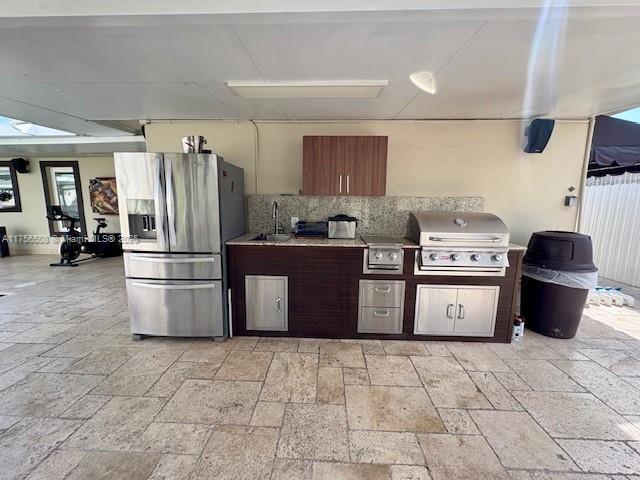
pixel 171 266
pixel 175 309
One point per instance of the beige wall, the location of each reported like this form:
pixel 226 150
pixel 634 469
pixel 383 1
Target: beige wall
pixel 32 221
pixel 466 157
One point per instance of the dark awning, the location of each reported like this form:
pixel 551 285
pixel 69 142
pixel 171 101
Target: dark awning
pixel 607 156
pixel 615 147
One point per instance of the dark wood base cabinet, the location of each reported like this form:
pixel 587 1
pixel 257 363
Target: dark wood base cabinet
pixel 323 287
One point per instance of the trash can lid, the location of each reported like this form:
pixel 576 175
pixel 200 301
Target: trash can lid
pixel 559 250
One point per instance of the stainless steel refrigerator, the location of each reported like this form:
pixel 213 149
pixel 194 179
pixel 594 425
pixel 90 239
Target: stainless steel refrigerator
pixel 176 213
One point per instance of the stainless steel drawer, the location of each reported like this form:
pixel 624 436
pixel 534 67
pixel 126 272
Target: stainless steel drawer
pixel 382 293
pixel 172 266
pixel 177 309
pixel 380 320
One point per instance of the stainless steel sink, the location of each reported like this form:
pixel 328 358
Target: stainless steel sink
pixel 278 237
pixel 272 237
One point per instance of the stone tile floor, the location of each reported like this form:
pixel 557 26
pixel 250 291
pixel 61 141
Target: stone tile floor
pixel 79 399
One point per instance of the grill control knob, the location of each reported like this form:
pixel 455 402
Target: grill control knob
pixel 497 257
pixel 377 256
pixel 476 257
pixel 433 257
pixel 454 257
pixel 393 256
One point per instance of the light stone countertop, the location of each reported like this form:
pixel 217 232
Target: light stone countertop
pixel 247 239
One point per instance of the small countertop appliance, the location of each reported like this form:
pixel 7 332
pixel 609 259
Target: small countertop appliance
pixel 342 226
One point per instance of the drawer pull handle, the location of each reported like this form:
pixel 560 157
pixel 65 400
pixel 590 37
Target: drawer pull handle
pixel 381 313
pixel 450 310
pixel 382 289
pixel 279 304
pixel 461 311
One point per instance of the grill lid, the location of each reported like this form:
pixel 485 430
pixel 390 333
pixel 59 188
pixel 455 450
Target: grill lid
pixel 460 229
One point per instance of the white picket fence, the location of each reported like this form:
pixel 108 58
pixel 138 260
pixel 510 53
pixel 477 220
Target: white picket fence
pixel 611 215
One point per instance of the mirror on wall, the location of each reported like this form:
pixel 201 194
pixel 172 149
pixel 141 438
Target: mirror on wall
pixel 61 182
pixel 9 191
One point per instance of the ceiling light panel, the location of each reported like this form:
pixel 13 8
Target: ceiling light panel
pixel 319 89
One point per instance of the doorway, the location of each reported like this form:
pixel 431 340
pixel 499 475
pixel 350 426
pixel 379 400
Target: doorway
pixel 62 187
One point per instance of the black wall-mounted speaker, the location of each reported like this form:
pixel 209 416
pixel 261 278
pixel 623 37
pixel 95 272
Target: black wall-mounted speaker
pixel 21 165
pixel 537 135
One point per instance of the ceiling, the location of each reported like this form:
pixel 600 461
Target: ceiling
pixel 89 64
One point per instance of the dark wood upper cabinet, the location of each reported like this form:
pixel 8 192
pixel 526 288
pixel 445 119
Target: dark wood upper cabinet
pixel 344 165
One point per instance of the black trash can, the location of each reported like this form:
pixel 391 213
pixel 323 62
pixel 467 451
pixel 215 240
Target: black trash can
pixel 557 273
pixel 4 243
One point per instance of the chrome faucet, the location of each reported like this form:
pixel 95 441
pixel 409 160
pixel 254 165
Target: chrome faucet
pixel 275 214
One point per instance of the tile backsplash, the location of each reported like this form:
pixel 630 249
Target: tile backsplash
pixel 376 215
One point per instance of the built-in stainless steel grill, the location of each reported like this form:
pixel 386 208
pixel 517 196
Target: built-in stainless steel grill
pixel 459 243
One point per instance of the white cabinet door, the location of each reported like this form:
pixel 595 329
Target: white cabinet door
pixel 266 300
pixel 476 311
pixel 435 310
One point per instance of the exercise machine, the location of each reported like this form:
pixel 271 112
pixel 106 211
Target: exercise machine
pixel 75 243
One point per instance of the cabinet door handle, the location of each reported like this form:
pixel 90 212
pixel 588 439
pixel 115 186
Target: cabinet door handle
pixel 460 311
pixel 279 304
pixel 340 184
pixel 347 183
pixel 382 289
pixel 381 313
pixel 450 310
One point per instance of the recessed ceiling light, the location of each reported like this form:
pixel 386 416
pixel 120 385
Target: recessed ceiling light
pixel 425 81
pixel 315 89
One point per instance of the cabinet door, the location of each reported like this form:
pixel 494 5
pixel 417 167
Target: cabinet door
pixel 266 302
pixel 365 165
pixel 435 310
pixel 476 311
pixel 321 166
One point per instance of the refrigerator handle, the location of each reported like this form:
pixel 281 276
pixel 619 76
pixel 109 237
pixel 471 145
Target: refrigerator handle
pixel 160 207
pixel 171 216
